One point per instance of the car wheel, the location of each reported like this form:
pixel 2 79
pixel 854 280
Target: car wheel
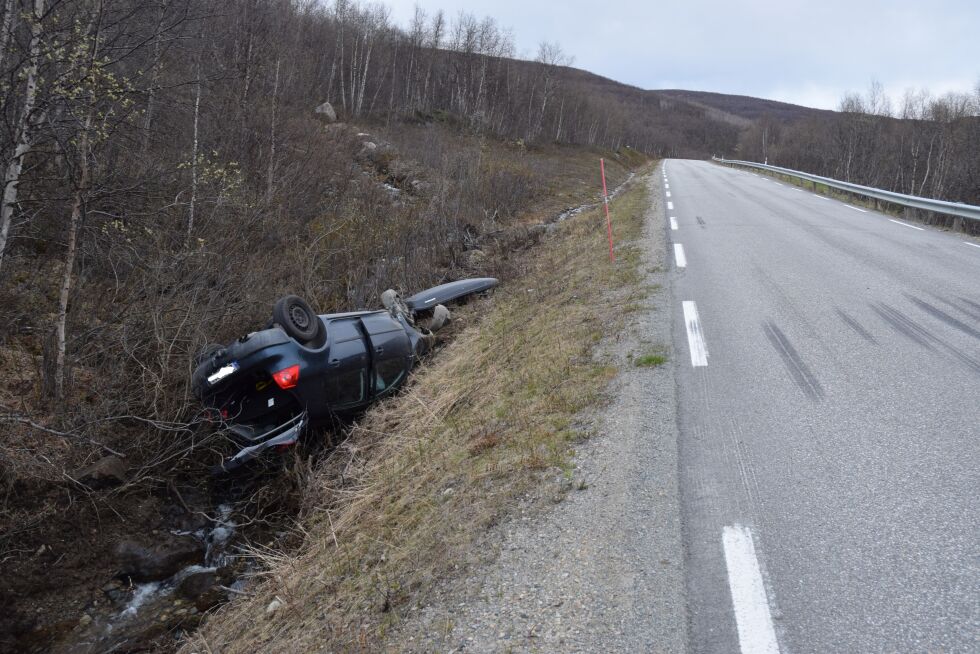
pixel 206 353
pixel 440 318
pixel 298 319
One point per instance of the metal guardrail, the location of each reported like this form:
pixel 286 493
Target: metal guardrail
pixel 959 209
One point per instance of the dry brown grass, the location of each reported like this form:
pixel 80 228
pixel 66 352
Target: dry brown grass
pixel 405 500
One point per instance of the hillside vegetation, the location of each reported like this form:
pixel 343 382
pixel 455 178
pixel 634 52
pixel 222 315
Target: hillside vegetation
pixel 166 178
pixel 923 145
pixel 171 167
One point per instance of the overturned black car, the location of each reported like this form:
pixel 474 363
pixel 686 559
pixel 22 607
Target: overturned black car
pixel 269 385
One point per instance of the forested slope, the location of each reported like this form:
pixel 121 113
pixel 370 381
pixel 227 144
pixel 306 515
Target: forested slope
pixel 921 145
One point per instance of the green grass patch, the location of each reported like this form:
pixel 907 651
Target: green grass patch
pixel 650 360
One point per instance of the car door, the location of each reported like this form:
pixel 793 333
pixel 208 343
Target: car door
pixel 346 384
pixel 391 352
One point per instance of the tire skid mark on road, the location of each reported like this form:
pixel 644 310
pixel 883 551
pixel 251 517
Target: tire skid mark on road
pixel 856 326
pixel 941 315
pixel 794 363
pixel 904 325
pixel 701 222
pixel 969 307
pixel 919 334
pixel 746 472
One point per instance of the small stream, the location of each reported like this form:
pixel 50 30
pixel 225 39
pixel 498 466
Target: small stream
pixel 574 211
pixel 139 612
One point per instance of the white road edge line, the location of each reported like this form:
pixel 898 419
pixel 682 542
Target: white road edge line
pixel 899 222
pixel 668 194
pixel 679 255
pixel 823 197
pixel 670 205
pixel 972 245
pixel 851 206
pixel 673 225
pixel 756 633
pixel 695 335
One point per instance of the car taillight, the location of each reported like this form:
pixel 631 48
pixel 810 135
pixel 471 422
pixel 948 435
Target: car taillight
pixel 287 377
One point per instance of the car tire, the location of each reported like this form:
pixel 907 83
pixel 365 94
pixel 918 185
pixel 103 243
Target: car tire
pixel 206 353
pixel 298 320
pixel 440 318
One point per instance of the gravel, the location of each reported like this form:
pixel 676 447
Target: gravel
pixel 601 568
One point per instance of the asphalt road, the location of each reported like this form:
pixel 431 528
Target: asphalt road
pixel 828 372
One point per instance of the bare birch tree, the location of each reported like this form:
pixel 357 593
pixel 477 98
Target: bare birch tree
pixel 26 125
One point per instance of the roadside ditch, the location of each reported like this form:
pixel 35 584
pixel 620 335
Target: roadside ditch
pixel 406 499
pixel 156 564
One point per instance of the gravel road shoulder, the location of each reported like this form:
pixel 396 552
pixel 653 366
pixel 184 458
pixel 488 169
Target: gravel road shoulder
pixel 602 570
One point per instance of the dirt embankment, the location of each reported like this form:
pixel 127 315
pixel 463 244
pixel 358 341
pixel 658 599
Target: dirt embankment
pixel 493 420
pixel 111 534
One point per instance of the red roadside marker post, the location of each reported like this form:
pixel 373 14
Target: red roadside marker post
pixel 605 202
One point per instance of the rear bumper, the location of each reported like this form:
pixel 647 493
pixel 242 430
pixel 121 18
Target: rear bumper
pixel 258 442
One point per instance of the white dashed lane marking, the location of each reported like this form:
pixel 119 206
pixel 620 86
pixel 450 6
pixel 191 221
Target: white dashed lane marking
pixel 851 206
pixel 670 205
pixel 756 634
pixel 679 255
pixel 899 222
pixel 673 225
pixel 695 335
pixel 972 245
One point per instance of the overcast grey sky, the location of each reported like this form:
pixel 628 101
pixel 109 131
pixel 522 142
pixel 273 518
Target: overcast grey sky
pixel 804 51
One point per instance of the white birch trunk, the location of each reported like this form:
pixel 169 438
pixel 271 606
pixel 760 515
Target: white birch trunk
pixel 197 115
pixel 77 208
pixel 25 130
pixel 272 146
pixel 8 14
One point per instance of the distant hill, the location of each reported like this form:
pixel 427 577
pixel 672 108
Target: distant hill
pixel 685 123
pixel 744 108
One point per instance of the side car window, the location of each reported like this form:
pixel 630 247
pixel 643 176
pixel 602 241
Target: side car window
pixel 387 374
pixel 345 388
